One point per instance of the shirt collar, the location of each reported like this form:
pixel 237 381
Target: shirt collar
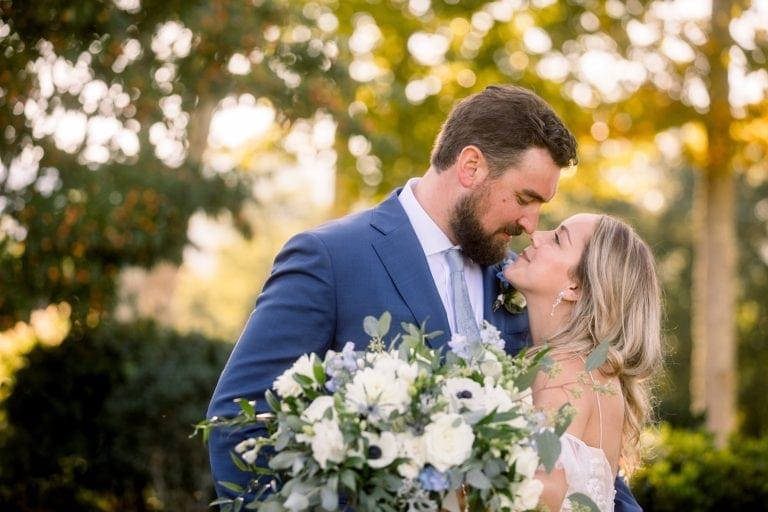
pixel 431 237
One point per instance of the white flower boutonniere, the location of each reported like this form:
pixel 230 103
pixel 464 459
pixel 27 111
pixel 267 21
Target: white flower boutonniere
pixel 512 300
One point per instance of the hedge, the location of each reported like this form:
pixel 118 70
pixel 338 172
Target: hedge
pixel 103 423
pixel 688 473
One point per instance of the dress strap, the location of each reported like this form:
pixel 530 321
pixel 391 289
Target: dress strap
pixel 599 409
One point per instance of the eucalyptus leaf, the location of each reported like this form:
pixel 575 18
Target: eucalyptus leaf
pixel 548 447
pixel 348 480
pixel 241 465
pixel 582 502
pixel 563 418
pixel 293 422
pixel 282 441
pixel 476 478
pixel 525 380
pixel 283 460
pixel 232 487
pixel 493 467
pixel 329 496
pixel 384 323
pixel 272 400
pixel 303 380
pixel 597 357
pixel 371 326
pixel 319 372
pixel 270 506
pixel 246 406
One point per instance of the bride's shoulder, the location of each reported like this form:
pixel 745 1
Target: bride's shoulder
pixel 562 380
pixel 566 368
pixel 566 381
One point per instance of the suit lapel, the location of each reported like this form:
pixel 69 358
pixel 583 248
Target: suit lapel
pixel 403 258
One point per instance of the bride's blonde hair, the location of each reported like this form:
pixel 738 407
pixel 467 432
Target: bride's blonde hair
pixel 620 302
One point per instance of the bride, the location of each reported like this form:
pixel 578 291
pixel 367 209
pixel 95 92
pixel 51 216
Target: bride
pixel 592 280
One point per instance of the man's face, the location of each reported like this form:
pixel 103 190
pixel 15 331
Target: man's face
pixel 484 220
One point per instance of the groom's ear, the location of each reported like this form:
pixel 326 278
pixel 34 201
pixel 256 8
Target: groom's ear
pixel 471 167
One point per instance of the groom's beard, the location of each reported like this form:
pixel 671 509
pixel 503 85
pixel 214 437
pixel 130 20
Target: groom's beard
pixel 480 246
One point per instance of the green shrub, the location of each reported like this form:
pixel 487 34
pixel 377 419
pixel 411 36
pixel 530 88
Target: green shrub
pixel 688 473
pixel 102 422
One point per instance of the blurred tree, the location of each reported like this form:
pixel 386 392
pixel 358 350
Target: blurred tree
pixel 106 107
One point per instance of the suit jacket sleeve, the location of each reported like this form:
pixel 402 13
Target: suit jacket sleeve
pixel 624 501
pixel 295 314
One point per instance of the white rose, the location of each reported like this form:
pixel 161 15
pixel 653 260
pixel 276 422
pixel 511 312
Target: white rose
pixel 384 446
pixel 447 441
pixel 412 449
pixel 525 459
pixel 285 385
pixel 528 494
pixel 327 442
pixel 377 394
pixel 463 393
pixel 318 409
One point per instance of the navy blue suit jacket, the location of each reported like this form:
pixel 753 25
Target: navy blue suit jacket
pixel 324 282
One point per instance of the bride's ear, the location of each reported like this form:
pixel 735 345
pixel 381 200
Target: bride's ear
pixel 572 292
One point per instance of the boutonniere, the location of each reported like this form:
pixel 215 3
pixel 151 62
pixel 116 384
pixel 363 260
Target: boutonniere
pixel 512 300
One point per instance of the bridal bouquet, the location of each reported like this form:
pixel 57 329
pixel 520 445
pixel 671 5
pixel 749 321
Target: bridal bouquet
pixel 401 427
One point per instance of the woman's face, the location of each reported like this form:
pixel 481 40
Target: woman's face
pixel 544 268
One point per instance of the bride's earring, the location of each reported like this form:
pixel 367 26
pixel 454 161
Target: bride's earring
pixel 557 302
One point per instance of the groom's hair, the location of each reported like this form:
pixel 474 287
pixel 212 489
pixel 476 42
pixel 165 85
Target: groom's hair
pixel 503 122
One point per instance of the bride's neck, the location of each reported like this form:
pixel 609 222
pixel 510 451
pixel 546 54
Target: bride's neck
pixel 545 321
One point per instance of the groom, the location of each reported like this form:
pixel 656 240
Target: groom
pixel 496 160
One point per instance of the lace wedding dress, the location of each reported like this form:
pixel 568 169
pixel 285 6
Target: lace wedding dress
pixel 587 469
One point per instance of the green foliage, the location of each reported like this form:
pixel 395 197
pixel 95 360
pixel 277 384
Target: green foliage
pixel 78 219
pixel 688 473
pixel 106 418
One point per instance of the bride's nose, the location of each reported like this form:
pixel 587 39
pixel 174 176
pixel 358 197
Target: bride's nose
pixel 535 238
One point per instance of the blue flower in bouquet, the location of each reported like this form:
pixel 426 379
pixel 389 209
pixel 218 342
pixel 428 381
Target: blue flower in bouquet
pixel 340 366
pixel 433 480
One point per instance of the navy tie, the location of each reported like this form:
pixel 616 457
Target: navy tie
pixel 462 308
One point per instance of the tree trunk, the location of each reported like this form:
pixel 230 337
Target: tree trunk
pixel 713 372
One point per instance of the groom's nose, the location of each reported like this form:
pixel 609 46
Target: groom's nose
pixel 529 221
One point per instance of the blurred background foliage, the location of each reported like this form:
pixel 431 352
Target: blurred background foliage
pixel 155 155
